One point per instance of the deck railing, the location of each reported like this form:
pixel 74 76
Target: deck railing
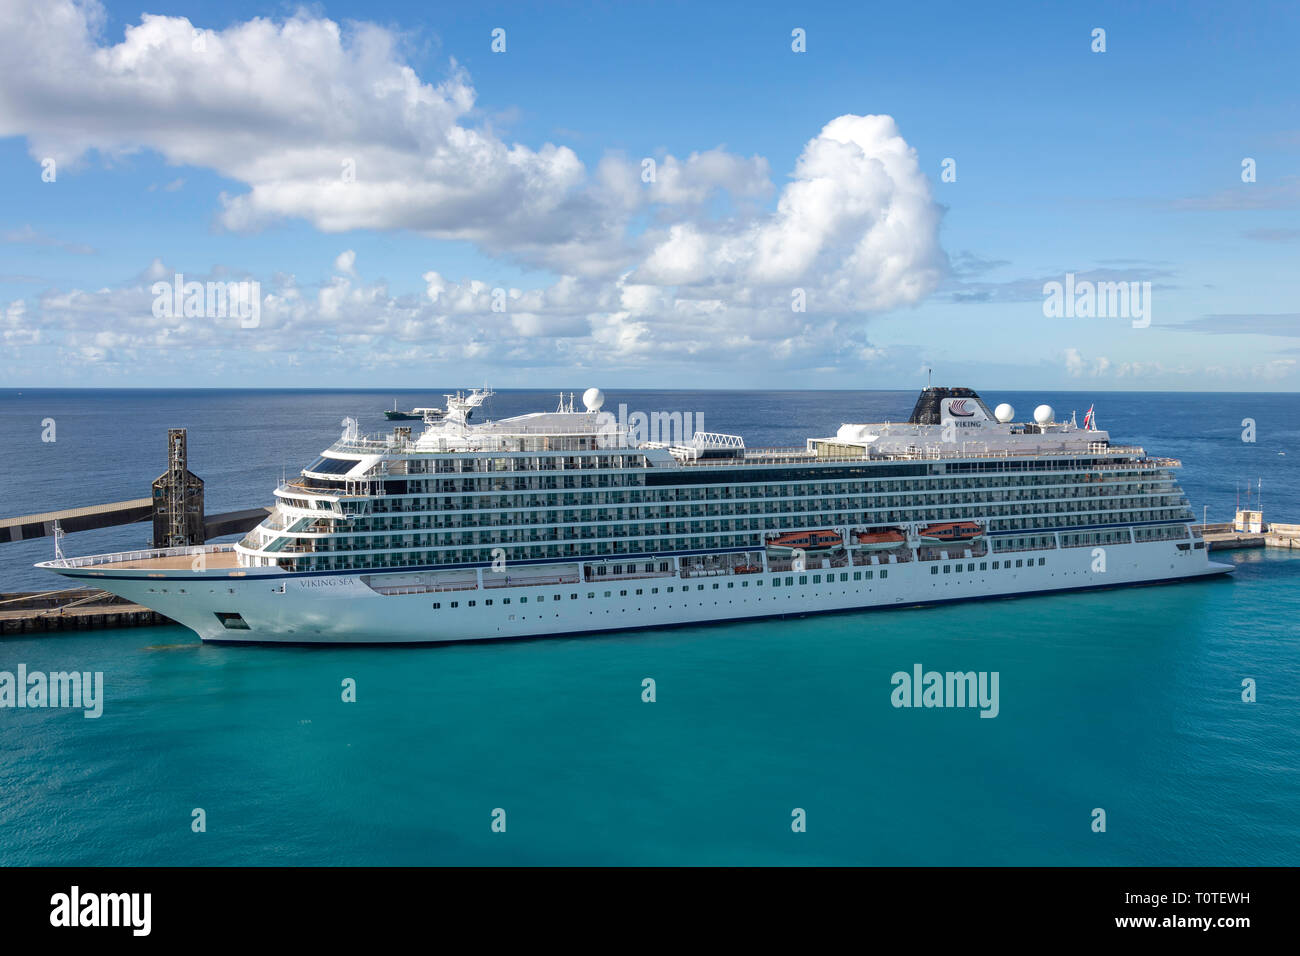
pixel 395 589
pixel 792 455
pixel 141 555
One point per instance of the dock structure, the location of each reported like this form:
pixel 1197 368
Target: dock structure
pixel 1282 536
pixel 76 519
pixel 121 512
pixel 1229 537
pixel 233 522
pixel 175 506
pixel 178 498
pixel 71 609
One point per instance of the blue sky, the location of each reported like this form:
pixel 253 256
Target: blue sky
pixel 1117 166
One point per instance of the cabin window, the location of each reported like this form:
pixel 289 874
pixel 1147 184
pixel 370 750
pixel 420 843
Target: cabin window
pixel 934 569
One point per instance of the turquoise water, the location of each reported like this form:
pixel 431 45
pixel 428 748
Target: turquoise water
pixel 1127 700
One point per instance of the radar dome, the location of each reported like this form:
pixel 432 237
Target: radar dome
pixel 1004 413
pixel 1044 414
pixel 593 398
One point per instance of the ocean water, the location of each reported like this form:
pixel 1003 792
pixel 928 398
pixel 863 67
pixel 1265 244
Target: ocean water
pixel 1126 700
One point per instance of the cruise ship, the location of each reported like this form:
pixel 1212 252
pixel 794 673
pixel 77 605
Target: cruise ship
pixel 567 522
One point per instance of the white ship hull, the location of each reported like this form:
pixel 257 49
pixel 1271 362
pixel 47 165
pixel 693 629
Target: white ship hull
pixel 344 609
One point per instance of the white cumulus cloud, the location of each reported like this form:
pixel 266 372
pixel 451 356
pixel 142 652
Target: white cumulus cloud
pixel 328 124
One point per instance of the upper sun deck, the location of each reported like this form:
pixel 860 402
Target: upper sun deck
pixel 948 424
pixel 543 432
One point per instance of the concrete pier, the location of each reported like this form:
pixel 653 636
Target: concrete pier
pixel 72 609
pixel 1223 537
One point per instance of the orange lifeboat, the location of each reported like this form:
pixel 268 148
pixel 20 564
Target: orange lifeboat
pixel 880 540
pixel 810 542
pixel 951 531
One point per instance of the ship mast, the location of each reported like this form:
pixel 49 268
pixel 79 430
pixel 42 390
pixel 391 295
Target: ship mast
pixel 460 406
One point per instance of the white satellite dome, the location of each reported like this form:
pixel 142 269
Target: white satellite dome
pixel 1044 414
pixel 593 398
pixel 1004 413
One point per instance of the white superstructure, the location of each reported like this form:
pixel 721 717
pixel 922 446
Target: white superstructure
pixel 560 522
